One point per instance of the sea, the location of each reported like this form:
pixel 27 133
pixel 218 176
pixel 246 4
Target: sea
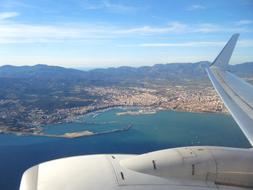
pixel 164 129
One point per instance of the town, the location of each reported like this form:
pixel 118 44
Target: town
pixel 177 98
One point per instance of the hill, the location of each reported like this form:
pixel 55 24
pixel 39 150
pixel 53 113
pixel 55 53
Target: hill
pixel 122 75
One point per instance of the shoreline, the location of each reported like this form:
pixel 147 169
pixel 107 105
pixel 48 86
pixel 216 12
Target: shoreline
pixel 96 112
pixel 71 135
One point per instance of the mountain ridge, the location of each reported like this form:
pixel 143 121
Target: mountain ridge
pixel 125 75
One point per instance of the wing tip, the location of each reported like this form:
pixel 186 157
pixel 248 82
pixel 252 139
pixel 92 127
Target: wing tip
pixel 236 35
pixel 222 60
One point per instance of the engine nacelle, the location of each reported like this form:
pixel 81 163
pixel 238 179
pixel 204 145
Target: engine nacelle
pixel 218 165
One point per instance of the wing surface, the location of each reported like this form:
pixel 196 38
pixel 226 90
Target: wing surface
pixel 236 94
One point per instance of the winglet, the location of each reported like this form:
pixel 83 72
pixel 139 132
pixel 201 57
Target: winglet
pixel 223 58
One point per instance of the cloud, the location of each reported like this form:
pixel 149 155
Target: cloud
pixel 245 43
pixel 208 28
pixel 196 7
pixel 7 15
pixel 242 43
pixel 118 7
pixel 109 6
pixel 30 33
pixel 11 32
pixel 25 33
pixel 7 4
pixel 214 28
pixel 185 44
pixel 181 28
pixel 173 27
pixel 244 22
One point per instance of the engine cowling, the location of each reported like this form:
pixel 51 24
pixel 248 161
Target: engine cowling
pixel 218 165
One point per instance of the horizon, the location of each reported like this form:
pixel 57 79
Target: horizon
pixel 116 67
pixel 113 33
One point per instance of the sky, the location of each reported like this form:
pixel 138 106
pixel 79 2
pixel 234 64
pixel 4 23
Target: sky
pixel 112 33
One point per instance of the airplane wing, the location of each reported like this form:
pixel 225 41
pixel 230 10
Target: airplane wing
pixel 236 94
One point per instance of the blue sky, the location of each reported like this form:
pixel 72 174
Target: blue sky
pixel 105 33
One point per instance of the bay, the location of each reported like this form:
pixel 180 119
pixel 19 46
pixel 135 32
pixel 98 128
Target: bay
pixel 165 129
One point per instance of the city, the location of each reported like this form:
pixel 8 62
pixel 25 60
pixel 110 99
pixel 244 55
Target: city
pixel 178 98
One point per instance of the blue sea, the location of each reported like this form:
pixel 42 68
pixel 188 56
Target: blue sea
pixel 165 129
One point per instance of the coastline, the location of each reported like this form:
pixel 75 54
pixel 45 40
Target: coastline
pixel 72 135
pixel 141 110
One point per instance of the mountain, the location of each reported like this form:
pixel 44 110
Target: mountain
pixel 245 69
pixel 38 71
pixel 113 76
pixel 169 71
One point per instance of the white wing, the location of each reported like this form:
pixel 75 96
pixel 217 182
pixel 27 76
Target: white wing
pixel 236 94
